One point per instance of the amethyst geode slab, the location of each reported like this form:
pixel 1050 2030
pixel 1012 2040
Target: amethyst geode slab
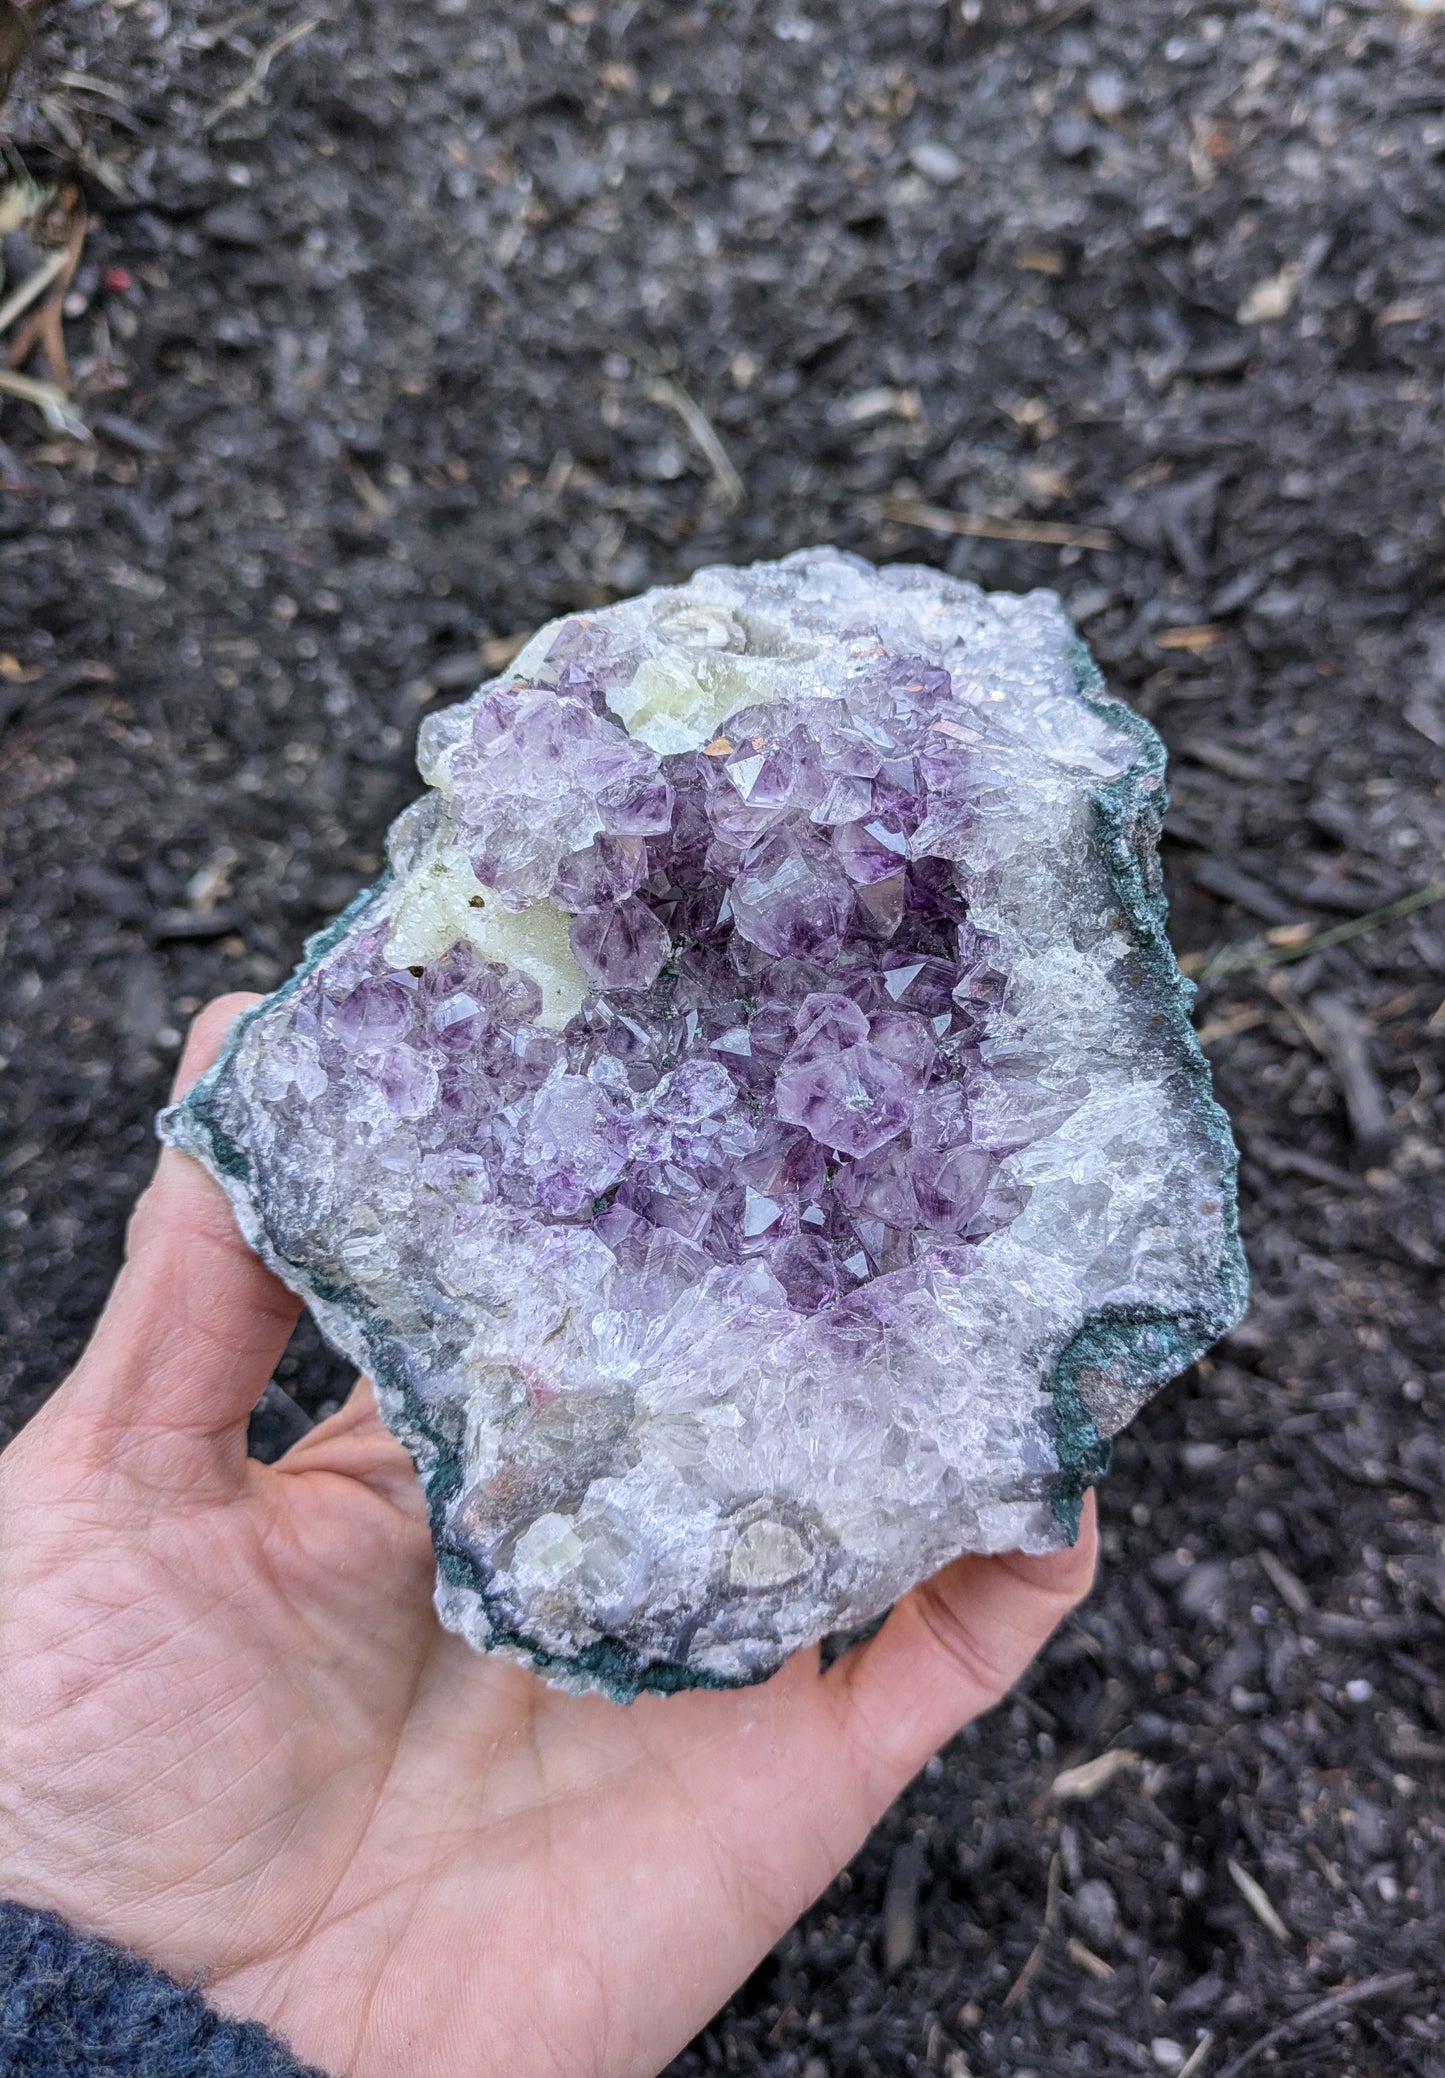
pixel 752 1133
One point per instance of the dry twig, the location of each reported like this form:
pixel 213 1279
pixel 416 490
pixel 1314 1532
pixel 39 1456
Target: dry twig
pixel 1019 1989
pixel 984 526
pixel 1322 2009
pixel 45 326
pixel 255 79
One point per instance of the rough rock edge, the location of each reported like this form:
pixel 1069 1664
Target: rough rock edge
pixel 1107 1372
pixel 1121 1355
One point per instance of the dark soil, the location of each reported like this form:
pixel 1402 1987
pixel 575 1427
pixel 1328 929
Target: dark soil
pixel 382 353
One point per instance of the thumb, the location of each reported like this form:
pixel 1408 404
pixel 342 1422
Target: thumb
pixel 196 1323
pixel 951 1650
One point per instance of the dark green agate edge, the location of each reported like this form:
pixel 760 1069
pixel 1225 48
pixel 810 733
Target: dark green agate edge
pixel 1138 1348
pixel 1135 1348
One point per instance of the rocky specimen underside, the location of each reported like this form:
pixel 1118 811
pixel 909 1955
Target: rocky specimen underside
pixel 752 1134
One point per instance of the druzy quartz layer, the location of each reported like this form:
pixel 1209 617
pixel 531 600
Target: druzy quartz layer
pixel 752 1133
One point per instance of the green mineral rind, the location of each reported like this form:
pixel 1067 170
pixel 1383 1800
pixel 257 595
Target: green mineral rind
pixel 1139 1349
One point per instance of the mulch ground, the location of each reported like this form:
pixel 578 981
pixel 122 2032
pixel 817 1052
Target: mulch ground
pixel 399 330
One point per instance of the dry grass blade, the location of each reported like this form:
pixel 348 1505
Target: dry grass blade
pixel 255 79
pixel 1197 2057
pixel 87 83
pixel 1258 1900
pixel 49 400
pixel 983 526
pixel 1253 957
pixel 34 285
pixel 731 489
pixel 1322 2009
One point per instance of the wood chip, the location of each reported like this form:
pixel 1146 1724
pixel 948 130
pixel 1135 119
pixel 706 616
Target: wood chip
pixel 1222 758
pixel 1218 1029
pixel 1195 640
pixel 900 1904
pixel 1270 299
pixel 1293 1593
pixel 1347 1042
pixel 867 405
pixel 1232 884
pixel 499 650
pixel 1075 1785
pixel 1408 311
pixel 1294 1161
pixel 1086 1959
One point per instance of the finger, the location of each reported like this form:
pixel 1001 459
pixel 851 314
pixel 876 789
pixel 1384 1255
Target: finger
pixel 195 1323
pixel 950 1651
pixel 356 1443
pixel 206 1037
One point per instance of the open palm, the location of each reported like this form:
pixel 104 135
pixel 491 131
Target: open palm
pixel 234 1737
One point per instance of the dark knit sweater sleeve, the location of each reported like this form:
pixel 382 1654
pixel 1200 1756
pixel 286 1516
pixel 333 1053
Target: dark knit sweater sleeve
pixel 72 2007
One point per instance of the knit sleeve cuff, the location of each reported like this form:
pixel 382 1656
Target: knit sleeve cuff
pixel 74 2007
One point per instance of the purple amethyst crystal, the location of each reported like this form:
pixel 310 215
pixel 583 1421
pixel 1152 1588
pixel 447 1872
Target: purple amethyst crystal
pixel 622 946
pixel 840 1086
pixel 753 1135
pixel 791 898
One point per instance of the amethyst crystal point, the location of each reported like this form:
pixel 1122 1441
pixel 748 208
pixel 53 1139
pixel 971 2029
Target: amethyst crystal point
pixel 753 1134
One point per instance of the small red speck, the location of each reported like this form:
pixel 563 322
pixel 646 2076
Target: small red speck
pixel 117 280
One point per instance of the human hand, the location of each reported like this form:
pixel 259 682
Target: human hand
pixel 234 1737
